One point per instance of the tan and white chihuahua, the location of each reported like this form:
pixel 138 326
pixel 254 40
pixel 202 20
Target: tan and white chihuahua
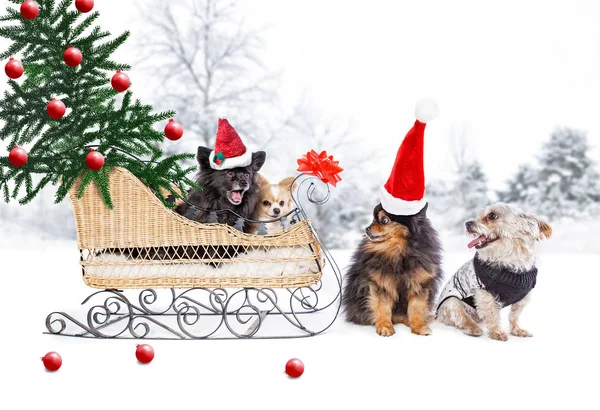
pixel 275 201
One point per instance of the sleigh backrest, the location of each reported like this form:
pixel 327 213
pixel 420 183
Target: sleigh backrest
pixel 139 219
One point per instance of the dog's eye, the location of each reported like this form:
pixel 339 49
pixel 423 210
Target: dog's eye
pixel 230 174
pixel 492 216
pixel 281 203
pixel 384 220
pixel 266 203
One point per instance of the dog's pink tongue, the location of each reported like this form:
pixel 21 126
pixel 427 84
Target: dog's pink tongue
pixel 236 196
pixel 476 241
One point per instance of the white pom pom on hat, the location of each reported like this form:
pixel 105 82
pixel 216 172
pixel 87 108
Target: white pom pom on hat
pixel 222 113
pixel 426 110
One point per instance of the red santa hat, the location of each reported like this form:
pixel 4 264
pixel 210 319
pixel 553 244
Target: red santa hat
pixel 230 152
pixel 404 192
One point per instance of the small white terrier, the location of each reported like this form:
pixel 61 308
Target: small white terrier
pixel 502 273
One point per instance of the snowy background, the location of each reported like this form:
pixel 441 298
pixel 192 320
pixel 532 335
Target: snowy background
pixel 518 86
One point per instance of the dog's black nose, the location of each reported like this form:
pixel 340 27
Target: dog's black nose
pixel 276 211
pixel 243 183
pixel 368 230
pixel 469 224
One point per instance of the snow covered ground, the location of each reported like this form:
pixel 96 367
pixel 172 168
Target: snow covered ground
pixel 347 365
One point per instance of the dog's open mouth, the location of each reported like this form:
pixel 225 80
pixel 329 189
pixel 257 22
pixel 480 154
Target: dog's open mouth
pixel 235 197
pixel 481 242
pixel 375 238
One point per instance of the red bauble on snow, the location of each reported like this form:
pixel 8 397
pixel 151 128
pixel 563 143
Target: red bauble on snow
pixel 173 130
pixel 30 9
pixel 56 108
pixel 52 361
pixel 72 56
pixel 17 156
pixel 294 368
pixel 94 160
pixel 13 69
pixel 144 353
pixel 84 6
pixel 120 81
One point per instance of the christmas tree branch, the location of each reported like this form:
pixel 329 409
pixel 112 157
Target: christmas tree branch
pixel 58 147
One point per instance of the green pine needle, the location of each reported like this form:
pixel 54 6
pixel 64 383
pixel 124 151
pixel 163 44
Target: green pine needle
pixel 98 114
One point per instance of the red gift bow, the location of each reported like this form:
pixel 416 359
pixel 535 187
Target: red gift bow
pixel 320 165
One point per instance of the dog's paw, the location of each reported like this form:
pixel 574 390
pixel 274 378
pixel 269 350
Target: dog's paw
pixel 473 331
pixel 385 329
pixel 517 331
pixel 421 330
pixel 498 334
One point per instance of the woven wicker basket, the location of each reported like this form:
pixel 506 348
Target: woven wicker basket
pixel 139 221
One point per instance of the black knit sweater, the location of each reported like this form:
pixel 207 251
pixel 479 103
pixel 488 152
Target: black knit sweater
pixel 507 286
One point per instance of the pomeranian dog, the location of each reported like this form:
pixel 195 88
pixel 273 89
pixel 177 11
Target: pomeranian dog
pixel 275 201
pixel 235 189
pixel 502 273
pixel 395 274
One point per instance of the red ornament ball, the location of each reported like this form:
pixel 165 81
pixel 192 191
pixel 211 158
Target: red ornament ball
pixel 144 353
pixel 84 6
pixel 94 160
pixel 72 56
pixel 17 156
pixel 173 130
pixel 56 109
pixel 120 81
pixel 52 361
pixel 294 368
pixel 30 10
pixel 13 69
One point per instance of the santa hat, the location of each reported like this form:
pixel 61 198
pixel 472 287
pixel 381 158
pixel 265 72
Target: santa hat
pixel 404 192
pixel 230 152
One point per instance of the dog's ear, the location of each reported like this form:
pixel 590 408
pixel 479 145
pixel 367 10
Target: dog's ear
pixel 423 212
pixel 203 156
pixel 544 228
pixel 258 160
pixel 263 181
pixel 287 183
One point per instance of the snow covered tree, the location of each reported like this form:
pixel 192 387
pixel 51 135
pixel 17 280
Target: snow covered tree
pixel 470 193
pixel 64 100
pixel 455 200
pixel 207 60
pixel 441 202
pixel 568 182
pixel 522 187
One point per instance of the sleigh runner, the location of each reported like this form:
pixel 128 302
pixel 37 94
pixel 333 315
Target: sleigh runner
pixel 137 246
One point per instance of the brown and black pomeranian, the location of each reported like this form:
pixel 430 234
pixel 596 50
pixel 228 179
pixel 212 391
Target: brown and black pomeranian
pixel 236 189
pixel 395 274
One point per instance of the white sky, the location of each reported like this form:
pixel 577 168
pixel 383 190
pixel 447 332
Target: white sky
pixel 510 70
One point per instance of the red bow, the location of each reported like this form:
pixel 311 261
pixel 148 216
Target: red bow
pixel 320 165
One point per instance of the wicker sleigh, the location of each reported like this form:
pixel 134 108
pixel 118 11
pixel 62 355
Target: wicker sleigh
pixel 116 245
pixel 146 292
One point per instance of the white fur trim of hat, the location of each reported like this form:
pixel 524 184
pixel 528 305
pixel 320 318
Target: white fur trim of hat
pixel 397 206
pixel 230 163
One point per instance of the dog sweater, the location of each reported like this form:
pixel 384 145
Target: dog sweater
pixel 506 285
